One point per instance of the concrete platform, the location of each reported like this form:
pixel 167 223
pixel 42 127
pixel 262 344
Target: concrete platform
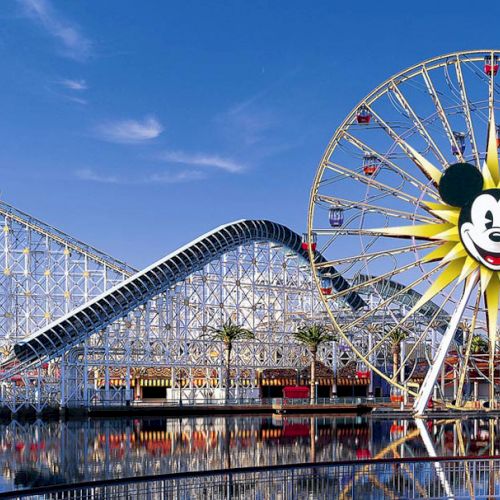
pixel 185 410
pixel 357 408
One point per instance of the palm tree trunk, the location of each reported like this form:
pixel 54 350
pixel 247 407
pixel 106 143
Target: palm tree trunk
pixel 395 361
pixel 312 439
pixel 313 376
pixel 229 348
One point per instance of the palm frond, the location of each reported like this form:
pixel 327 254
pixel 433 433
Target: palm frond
pixel 228 333
pixel 397 336
pixel 314 335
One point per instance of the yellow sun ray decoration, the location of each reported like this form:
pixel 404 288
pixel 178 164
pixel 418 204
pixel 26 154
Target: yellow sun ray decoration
pixel 454 244
pixel 450 247
pixel 459 237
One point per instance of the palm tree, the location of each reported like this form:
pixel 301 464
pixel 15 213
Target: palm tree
pixel 396 336
pixel 228 333
pixel 312 336
pixel 479 345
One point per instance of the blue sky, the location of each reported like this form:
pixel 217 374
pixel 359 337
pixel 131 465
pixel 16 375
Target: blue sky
pixel 137 126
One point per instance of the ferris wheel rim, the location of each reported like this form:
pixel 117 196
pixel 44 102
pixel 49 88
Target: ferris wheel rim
pixel 342 130
pixel 368 96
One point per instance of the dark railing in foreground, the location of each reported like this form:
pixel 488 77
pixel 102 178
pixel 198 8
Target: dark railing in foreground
pixel 439 477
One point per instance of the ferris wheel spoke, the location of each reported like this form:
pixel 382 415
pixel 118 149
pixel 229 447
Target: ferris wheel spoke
pixel 384 277
pixel 465 362
pixel 426 167
pixel 430 324
pixel 379 186
pixel 386 302
pixel 363 147
pixel 345 231
pixel 368 207
pixel 441 113
pixel 417 122
pixel 373 255
pixel 430 379
pixel 376 169
pixel 467 113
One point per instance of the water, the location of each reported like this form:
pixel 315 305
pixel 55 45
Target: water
pixel 40 453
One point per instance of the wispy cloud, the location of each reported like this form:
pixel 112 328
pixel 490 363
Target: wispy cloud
pixel 203 160
pixel 173 178
pixel 247 124
pixel 254 121
pixel 74 84
pixel 78 100
pixel 130 131
pixel 91 175
pixel 73 43
pixel 87 174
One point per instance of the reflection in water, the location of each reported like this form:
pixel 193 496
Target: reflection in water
pixel 34 454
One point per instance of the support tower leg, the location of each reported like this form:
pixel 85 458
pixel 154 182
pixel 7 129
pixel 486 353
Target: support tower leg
pixel 432 375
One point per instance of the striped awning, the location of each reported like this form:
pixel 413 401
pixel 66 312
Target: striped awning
pixel 293 381
pixel 162 382
pixel 279 381
pixel 353 381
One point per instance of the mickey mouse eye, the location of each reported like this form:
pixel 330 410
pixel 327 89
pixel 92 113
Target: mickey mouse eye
pixel 489 219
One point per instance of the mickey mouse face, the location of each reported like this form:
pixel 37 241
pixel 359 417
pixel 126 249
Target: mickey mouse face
pixel 479 222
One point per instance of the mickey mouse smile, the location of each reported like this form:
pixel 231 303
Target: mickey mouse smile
pixel 490 257
pixel 479 223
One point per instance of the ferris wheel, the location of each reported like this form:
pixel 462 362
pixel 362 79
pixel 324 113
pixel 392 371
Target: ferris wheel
pixel 405 209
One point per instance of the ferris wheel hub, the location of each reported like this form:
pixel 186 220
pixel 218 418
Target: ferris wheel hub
pixel 408 163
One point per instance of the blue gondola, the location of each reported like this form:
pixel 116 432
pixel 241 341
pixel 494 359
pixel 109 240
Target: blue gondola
pixel 460 140
pixel 336 216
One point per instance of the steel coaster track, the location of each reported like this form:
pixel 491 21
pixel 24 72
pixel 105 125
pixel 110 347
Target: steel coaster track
pixel 71 329
pixel 9 212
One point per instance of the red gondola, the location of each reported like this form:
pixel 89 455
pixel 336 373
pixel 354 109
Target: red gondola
pixel 370 164
pixel 396 396
pixel 306 243
pixel 498 136
pixel 326 286
pixel 363 115
pixel 491 66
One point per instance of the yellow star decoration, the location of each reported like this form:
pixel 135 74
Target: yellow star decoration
pixel 450 251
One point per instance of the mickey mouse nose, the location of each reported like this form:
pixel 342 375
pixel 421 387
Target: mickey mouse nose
pixel 495 236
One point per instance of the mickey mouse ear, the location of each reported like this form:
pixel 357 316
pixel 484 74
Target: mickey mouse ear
pixel 460 183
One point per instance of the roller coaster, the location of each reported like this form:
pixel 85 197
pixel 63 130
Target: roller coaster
pixel 79 328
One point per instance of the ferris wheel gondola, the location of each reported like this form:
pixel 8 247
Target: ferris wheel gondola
pixel 416 161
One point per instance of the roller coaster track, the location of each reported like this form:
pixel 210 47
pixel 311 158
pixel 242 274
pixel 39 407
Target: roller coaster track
pixel 11 213
pixel 71 329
